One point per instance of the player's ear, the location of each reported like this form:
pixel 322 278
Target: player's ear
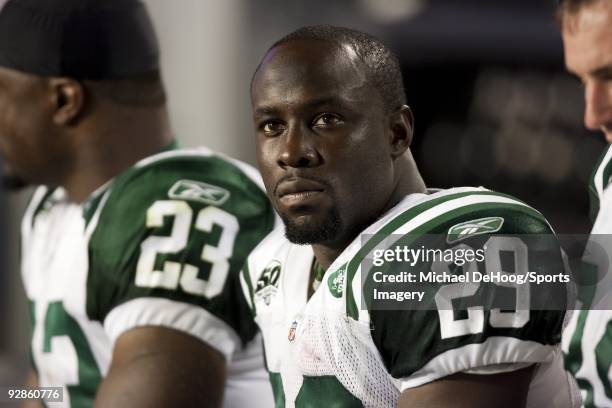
pixel 68 100
pixel 402 125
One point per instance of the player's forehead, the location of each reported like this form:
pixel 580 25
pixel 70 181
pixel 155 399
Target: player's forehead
pixel 587 38
pixel 300 71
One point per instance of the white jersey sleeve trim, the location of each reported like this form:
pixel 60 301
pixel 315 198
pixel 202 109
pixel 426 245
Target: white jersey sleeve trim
pixel 193 320
pixel 497 368
pixel 494 351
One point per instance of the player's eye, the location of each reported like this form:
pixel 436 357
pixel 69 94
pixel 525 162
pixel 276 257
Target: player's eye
pixel 327 120
pixel 272 128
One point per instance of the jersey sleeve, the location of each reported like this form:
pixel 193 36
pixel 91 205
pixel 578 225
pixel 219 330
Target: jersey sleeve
pixel 167 245
pixel 459 327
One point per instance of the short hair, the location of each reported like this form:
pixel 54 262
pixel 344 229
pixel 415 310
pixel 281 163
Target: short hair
pixel 570 7
pixel 142 90
pixel 382 65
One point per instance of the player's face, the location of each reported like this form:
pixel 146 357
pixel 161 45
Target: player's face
pixel 26 143
pixel 323 145
pixel 587 38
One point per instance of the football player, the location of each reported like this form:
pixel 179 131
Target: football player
pixel 333 136
pixel 131 247
pixel 587 37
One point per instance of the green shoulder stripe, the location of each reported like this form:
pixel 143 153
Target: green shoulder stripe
pixel 246 275
pixel 409 214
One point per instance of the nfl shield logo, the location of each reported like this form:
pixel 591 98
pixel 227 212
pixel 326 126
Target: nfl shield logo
pixel 292 331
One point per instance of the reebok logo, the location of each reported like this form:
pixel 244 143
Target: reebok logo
pixel 198 191
pixel 468 229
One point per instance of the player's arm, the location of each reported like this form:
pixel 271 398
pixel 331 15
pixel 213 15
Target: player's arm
pixel 506 390
pixel 161 367
pixel 32 381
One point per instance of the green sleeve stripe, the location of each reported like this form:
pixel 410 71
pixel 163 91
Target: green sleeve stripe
pixel 246 275
pixel 277 390
pixel 351 307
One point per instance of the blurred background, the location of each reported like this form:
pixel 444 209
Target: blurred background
pixel 485 79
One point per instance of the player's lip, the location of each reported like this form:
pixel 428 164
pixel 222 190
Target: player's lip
pixel 298 191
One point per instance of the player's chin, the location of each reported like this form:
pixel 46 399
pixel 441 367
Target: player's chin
pixel 312 229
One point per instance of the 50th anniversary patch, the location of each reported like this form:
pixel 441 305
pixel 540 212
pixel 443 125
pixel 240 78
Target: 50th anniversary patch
pixel 267 285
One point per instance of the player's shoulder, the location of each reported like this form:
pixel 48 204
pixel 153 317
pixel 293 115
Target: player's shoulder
pixel 274 242
pixel 454 214
pixel 273 258
pixel 196 178
pixel 274 248
pixel 461 219
pixel 466 210
pixel 196 174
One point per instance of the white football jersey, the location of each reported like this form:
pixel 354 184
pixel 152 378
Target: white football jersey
pixel 328 350
pixel 587 341
pixel 162 244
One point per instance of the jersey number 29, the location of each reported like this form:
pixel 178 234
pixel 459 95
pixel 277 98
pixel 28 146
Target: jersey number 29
pixel 475 323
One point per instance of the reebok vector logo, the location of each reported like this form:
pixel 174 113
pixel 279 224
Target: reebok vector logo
pixel 198 191
pixel 474 227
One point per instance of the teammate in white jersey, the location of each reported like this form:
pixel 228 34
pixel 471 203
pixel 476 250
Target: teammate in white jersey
pixel 131 248
pixel 587 38
pixel 333 136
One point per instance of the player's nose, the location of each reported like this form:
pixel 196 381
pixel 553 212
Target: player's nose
pixel 298 148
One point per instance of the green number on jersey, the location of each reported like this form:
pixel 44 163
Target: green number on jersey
pixel 63 346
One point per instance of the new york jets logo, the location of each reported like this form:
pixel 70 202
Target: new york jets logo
pixel 198 191
pixel 474 227
pixel 267 284
pixel 335 282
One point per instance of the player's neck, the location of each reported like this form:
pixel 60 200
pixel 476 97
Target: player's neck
pixel 109 147
pixel 409 181
pixel 326 255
